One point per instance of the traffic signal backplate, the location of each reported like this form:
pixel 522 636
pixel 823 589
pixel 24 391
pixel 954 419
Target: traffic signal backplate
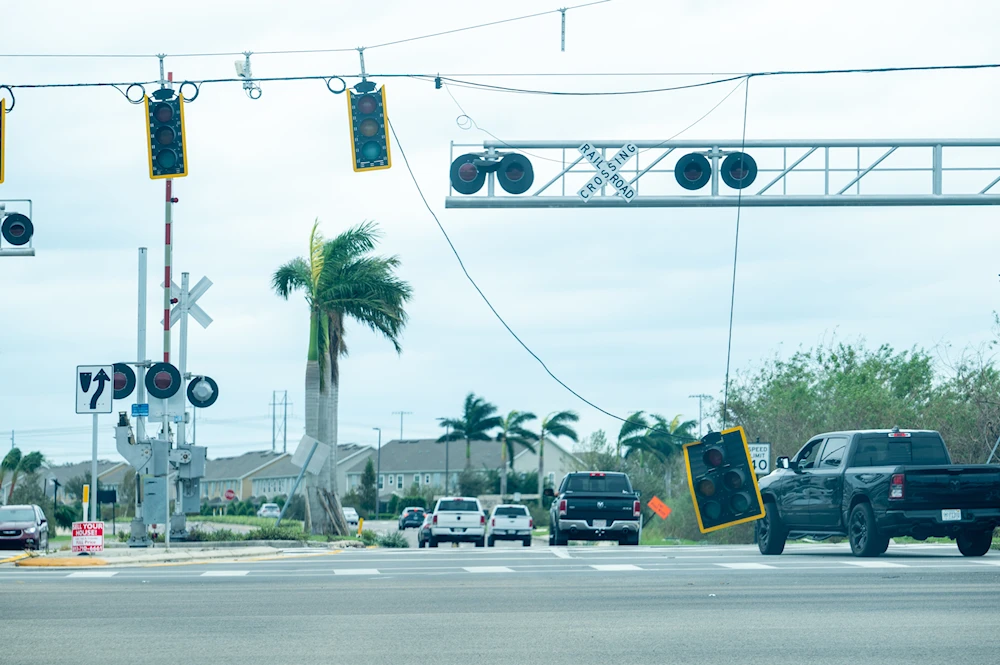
pixel 722 481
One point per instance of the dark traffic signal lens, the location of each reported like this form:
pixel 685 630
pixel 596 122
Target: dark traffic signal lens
pixel 371 151
pixel 166 159
pixel 739 503
pixel 733 480
pixel 514 172
pixel 713 510
pixel 468 172
pixel 162 380
pixel 713 457
pixel 367 104
pixel 706 487
pixel 164 136
pixel 368 127
pixel 163 113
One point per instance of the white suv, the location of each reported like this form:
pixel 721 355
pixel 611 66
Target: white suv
pixel 458 519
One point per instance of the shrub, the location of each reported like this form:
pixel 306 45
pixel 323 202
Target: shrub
pixel 123 536
pixel 218 535
pixel 394 539
pixel 369 537
pixel 539 515
pixel 280 533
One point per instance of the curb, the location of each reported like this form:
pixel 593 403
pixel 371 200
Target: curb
pixel 16 557
pixel 60 562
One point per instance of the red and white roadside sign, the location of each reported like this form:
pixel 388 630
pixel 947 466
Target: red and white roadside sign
pixel 88 537
pixel 230 495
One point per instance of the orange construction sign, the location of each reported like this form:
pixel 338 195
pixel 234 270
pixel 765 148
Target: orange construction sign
pixel 658 507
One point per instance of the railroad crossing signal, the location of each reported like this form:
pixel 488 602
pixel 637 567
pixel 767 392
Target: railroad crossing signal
pixel 369 129
pixel 165 139
pixel 722 480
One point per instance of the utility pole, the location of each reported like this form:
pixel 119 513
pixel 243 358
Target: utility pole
pixel 12 439
pixel 401 414
pixel 699 397
pixel 274 421
pixel 378 473
pixel 447 476
pixel 284 425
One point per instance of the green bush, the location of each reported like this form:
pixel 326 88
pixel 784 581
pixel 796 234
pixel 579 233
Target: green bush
pixel 539 515
pixel 280 533
pixel 218 535
pixel 369 537
pixel 123 536
pixel 682 525
pixel 393 539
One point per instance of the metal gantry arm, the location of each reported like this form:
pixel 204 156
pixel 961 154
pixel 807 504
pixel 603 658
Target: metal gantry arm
pixel 811 173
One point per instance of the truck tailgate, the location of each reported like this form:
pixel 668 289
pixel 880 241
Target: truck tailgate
pixel 456 519
pixel 609 508
pixel 511 523
pixel 952 486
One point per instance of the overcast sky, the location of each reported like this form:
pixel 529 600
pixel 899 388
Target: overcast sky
pixel 628 306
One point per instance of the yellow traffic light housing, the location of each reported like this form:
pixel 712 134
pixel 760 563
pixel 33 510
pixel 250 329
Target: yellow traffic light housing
pixel 722 481
pixel 369 130
pixel 166 143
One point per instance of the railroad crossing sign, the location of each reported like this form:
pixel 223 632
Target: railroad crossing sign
pixel 94 388
pixel 607 171
pixel 195 310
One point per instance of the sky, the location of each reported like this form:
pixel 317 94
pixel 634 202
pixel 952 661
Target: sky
pixel 630 307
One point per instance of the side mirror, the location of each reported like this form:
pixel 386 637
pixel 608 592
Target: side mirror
pixel 44 521
pixel 548 491
pixel 784 463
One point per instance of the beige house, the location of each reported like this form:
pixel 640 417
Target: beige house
pixel 558 462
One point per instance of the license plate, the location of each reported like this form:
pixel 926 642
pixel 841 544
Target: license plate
pixel 951 515
pixel 600 524
pixel 456 530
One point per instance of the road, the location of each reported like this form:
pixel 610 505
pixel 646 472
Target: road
pixel 815 604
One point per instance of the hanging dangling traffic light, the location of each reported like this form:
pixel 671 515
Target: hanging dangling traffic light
pixel 723 485
pixel 369 130
pixel 167 148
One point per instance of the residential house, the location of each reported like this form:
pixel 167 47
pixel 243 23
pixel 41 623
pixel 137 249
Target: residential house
pixel 109 476
pixel 558 462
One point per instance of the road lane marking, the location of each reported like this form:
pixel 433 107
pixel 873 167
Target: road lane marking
pixel 746 566
pixel 355 571
pixel 612 567
pixel 875 564
pixel 994 562
pixel 488 569
pixel 560 552
pixel 94 573
pixel 225 573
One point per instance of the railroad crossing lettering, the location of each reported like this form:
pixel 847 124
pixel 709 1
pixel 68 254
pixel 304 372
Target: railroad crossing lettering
pixel 608 171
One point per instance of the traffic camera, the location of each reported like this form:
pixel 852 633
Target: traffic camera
pixel 369 129
pixel 165 141
pixel 722 482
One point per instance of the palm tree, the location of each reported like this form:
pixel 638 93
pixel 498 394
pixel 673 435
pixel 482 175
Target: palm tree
pixel 9 465
pixel 478 418
pixel 512 432
pixel 340 279
pixel 25 465
pixel 663 440
pixel 632 432
pixel 555 424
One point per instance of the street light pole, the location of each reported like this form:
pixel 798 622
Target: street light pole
pixel 699 397
pixel 378 473
pixel 447 475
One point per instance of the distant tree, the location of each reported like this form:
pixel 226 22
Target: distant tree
pixel 368 486
pixel 9 465
pixel 74 486
pixel 26 465
pixel 477 421
pixel 597 453
pixel 555 424
pixel 513 432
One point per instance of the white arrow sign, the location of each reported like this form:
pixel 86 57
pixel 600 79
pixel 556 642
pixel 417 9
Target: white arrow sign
pixel 608 171
pixel 95 386
pixel 196 312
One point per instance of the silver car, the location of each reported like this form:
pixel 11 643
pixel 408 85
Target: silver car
pixel 269 510
pixel 351 515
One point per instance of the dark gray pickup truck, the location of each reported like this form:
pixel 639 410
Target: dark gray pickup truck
pixel 595 505
pixel 871 485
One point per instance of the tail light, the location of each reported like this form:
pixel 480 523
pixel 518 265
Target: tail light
pixel 897 487
pixel 435 519
pixel 482 519
pixel 636 508
pixel 531 523
pixel 493 521
pixel 562 507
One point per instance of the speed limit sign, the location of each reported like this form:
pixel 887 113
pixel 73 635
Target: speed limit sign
pixel 760 454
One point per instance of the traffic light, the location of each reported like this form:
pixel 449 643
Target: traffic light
pixel 369 130
pixel 738 170
pixel 167 147
pixel 3 133
pixel 124 380
pixel 16 228
pixel 163 380
pixel 692 171
pixel 722 482
pixel 513 172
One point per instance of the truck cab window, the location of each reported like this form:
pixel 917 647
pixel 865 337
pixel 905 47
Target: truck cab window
pixel 806 459
pixel 833 452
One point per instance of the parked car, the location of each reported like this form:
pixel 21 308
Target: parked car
pixel 595 505
pixel 352 517
pixel 269 510
pixel 412 516
pixel 23 527
pixel 458 519
pixel 509 522
pixel 872 485
pixel 424 530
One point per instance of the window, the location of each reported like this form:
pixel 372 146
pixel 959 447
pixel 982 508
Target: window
pixel 511 510
pixel 917 449
pixel 552 478
pixel 437 479
pixel 392 478
pixel 427 479
pixel 833 452
pixel 416 479
pixel 463 505
pixel 399 481
pixel 588 483
pixel 381 482
pixel 806 459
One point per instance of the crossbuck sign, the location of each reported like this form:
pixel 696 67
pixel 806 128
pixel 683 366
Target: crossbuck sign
pixel 608 171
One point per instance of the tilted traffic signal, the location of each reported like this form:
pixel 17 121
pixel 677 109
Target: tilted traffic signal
pixel 165 135
pixel 722 482
pixel 369 129
pixel 3 133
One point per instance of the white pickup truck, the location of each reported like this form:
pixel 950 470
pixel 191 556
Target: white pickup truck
pixel 458 519
pixel 509 522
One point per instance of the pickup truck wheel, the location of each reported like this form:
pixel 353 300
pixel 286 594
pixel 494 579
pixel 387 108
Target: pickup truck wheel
pixel 481 542
pixel 526 542
pixel 420 544
pixel 490 542
pixel 560 540
pixel 552 538
pixel 771 533
pixel 432 542
pixel 974 543
pixel 863 532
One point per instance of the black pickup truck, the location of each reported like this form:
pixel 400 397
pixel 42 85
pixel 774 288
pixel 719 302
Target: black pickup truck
pixel 872 485
pixel 594 506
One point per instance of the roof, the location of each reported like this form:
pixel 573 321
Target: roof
pixel 64 472
pixel 558 446
pixel 428 455
pixel 278 465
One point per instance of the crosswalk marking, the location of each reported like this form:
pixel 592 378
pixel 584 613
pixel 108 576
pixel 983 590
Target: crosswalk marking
pixel 746 566
pixel 225 573
pixel 560 552
pixel 991 562
pixel 612 567
pixel 355 571
pixel 876 564
pixel 488 569
pixel 94 573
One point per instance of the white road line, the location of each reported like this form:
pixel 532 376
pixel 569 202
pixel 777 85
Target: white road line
pixel 560 552
pixel 746 566
pixel 355 571
pixel 225 573
pixel 488 569
pixel 94 573
pixel 875 564
pixel 992 562
pixel 610 567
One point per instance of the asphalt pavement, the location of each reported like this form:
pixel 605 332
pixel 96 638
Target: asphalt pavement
pixel 815 604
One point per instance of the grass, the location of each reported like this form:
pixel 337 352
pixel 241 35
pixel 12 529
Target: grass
pixel 540 533
pixel 247 520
